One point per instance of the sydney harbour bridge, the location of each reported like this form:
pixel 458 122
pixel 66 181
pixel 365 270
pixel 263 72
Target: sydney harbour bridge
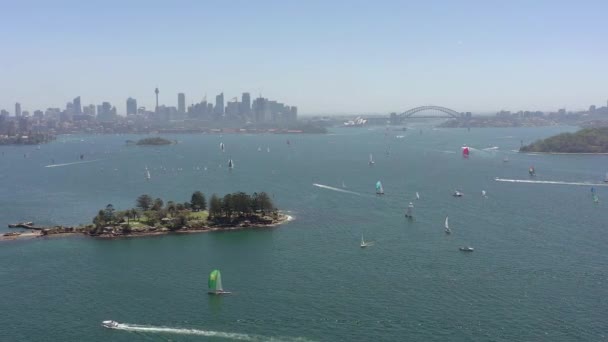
pixel 423 112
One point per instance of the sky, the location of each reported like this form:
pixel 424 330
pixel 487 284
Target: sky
pixel 326 57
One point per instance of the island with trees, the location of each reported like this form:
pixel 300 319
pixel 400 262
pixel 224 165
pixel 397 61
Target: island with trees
pixel 154 141
pixel 153 216
pixel 588 140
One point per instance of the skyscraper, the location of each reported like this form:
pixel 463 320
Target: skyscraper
pixel 219 104
pixel 246 104
pixel 156 92
pixel 17 109
pixel 181 103
pixel 131 106
pixel 76 106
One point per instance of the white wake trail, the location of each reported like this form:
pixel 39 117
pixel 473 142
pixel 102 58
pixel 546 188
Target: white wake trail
pixel 199 332
pixel 548 182
pixel 335 189
pixel 74 163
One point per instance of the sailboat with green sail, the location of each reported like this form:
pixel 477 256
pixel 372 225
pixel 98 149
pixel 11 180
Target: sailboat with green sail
pixel 215 283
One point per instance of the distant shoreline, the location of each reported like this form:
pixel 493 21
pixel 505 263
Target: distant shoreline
pixel 570 153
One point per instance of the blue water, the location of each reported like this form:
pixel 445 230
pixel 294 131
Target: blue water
pixel 538 273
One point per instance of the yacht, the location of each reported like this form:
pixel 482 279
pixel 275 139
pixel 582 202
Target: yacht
pixel 110 324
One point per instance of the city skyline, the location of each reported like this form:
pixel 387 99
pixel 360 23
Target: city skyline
pixel 371 58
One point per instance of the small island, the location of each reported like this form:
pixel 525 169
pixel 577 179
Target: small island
pixel 154 141
pixel 155 217
pixel 588 140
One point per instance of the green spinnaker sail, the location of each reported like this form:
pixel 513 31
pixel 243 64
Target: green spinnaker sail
pixel 215 280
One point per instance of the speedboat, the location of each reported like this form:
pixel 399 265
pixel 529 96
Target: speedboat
pixel 457 194
pixel 110 324
pixel 467 249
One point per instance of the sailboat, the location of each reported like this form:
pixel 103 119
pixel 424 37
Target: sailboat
pixel 531 171
pixel 215 283
pixel 447 226
pixel 483 193
pixel 230 164
pixel 379 188
pixel 606 178
pixel 417 195
pixel 408 212
pixel 259 149
pixel 343 185
pixel 371 160
pixel 222 148
pixel 366 244
pixel 147 174
pixel 268 149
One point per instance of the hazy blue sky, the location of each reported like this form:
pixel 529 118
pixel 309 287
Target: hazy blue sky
pixel 325 57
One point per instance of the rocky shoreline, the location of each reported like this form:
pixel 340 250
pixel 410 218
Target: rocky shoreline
pixel 115 232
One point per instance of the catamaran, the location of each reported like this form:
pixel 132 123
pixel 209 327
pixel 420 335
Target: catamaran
pixel 215 283
pixel 366 244
pixel 371 160
pixel 379 188
pixel 447 226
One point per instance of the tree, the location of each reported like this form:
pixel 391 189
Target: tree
pixel 171 207
pixel 215 206
pixel 241 203
pixel 144 202
pixel 228 205
pixel 134 214
pixel 109 213
pixel 198 200
pixel 100 220
pixel 157 205
pixel 264 202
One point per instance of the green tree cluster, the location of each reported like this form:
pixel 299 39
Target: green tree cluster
pixel 589 140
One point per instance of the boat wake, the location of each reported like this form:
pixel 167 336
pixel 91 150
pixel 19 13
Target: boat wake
pixel 74 163
pixel 200 332
pixel 548 182
pixel 335 189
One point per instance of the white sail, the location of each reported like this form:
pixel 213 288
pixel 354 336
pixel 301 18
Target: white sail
pixel 447 226
pixel 371 159
pixel 417 195
pixel 147 174
pixel 483 193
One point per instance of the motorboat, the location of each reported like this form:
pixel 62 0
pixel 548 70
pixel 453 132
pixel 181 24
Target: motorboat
pixel 466 249
pixel 457 194
pixel 110 324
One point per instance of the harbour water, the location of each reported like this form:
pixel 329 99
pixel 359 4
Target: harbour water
pixel 538 272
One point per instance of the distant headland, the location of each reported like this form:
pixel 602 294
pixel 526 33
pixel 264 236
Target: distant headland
pixel 588 140
pixel 155 217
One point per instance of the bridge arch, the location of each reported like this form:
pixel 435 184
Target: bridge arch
pixel 449 112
